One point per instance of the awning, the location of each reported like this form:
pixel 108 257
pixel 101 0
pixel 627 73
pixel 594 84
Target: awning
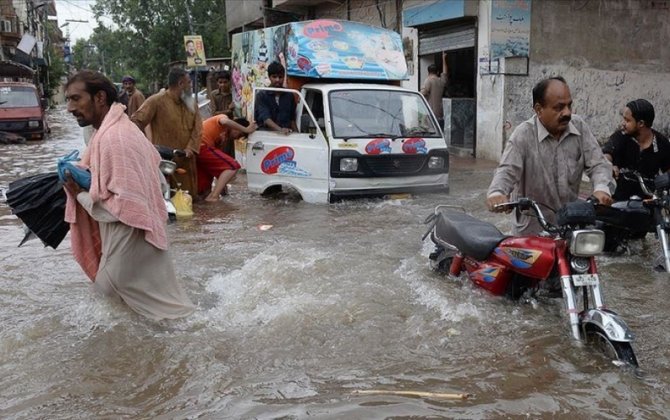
pixel 437 11
pixel 14 69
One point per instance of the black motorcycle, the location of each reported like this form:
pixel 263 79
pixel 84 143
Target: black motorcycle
pixel 636 217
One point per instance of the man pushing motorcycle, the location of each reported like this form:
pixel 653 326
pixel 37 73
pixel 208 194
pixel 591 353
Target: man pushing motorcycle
pixel 637 147
pixel 546 156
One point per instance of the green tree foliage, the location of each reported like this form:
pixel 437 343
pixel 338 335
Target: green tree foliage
pixel 148 35
pixel 106 51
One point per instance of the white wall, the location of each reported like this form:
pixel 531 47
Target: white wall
pixel 598 95
pixel 490 95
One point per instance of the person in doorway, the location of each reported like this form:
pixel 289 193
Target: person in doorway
pixel 212 161
pixel 434 87
pixel 135 98
pixel 175 123
pixel 637 146
pixel 117 228
pixel 275 110
pixel 546 156
pixel 221 99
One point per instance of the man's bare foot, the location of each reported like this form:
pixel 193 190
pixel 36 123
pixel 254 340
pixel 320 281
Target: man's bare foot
pixel 211 199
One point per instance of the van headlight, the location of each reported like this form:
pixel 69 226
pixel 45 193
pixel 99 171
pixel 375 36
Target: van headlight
pixel 586 243
pixel 436 162
pixel 349 164
pixel 33 124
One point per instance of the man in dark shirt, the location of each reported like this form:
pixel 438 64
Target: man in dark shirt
pixel 275 110
pixel 636 146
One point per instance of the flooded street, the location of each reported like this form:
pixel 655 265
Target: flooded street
pixel 292 320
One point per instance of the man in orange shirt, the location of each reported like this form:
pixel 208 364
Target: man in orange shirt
pixel 212 161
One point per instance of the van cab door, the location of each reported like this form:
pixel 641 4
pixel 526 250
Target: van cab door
pixel 299 160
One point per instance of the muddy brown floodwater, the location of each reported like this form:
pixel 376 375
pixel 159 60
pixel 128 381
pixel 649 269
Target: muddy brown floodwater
pixel 292 320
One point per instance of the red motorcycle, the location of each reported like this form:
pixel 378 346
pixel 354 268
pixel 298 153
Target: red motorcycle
pixel 517 266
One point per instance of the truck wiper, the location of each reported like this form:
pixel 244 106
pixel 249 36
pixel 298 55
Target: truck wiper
pixel 421 133
pixel 393 137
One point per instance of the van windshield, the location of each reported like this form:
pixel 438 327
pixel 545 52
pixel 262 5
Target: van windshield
pixel 380 113
pixel 17 97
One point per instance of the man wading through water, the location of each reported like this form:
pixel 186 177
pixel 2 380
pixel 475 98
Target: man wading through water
pixel 117 228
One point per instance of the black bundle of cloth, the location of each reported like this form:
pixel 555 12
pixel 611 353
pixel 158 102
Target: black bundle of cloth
pixel 39 201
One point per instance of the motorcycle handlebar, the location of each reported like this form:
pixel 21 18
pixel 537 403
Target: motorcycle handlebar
pixel 168 153
pixel 635 176
pixel 524 203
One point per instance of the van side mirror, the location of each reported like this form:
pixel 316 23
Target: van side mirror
pixel 44 102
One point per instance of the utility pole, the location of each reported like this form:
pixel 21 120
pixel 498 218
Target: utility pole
pixel 398 16
pixel 195 71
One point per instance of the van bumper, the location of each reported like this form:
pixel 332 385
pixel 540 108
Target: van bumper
pixel 21 128
pixel 396 185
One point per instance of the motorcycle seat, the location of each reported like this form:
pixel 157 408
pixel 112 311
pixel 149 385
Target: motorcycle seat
pixel 473 237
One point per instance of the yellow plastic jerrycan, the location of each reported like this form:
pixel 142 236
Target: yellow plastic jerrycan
pixel 183 203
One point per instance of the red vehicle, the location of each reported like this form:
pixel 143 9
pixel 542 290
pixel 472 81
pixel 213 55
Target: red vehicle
pixel 22 111
pixel 517 266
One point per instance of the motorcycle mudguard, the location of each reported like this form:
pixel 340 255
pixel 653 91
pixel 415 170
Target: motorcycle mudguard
pixel 609 322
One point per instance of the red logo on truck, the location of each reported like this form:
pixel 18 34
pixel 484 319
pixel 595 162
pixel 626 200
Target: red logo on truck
pixel 276 157
pixel 378 146
pixel 321 28
pixel 414 146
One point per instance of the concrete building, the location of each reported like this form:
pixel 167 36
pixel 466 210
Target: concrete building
pixel 24 38
pixel 609 51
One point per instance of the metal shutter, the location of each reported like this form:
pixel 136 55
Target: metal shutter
pixel 445 38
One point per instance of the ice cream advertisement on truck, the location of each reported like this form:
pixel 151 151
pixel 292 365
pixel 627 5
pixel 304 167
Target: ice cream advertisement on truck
pixel 324 49
pixel 345 50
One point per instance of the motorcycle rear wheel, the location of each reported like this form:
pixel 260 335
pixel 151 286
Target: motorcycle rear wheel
pixel 614 350
pixel 440 260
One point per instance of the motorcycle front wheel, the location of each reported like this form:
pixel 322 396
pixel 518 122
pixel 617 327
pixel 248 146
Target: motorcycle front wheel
pixel 614 350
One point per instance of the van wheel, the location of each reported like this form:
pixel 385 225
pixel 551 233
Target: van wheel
pixel 272 191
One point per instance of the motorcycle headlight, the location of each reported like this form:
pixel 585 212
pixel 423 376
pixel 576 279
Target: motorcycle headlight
pixel 586 243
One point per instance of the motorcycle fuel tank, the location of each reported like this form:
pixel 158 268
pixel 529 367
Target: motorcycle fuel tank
pixel 531 256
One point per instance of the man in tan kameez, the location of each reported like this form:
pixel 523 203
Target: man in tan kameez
pixel 117 227
pixel 135 96
pixel 175 123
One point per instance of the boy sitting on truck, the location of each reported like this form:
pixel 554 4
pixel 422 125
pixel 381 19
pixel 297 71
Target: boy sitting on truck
pixel 275 110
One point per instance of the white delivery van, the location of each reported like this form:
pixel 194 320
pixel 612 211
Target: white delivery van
pixel 358 132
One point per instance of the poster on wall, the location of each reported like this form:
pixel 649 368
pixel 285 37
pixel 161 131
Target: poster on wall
pixel 510 28
pixel 195 51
